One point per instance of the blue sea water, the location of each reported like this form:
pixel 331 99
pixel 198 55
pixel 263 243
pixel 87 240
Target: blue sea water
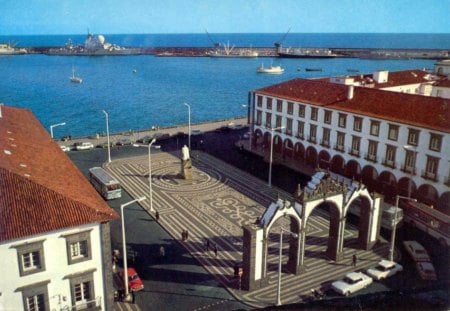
pixel 154 95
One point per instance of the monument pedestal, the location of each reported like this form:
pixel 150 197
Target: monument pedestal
pixel 186 169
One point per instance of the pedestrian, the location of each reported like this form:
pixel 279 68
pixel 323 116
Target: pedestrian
pixel 215 250
pixel 182 235
pixel 186 234
pixel 354 260
pixel 157 215
pixel 162 251
pixel 207 244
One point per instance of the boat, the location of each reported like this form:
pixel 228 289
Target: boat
pixel 74 78
pixel 313 69
pixel 225 50
pixel 94 45
pixel 306 52
pixel 7 49
pixel 271 69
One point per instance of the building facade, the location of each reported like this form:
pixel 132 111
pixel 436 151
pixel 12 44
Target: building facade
pixel 394 141
pixel 55 249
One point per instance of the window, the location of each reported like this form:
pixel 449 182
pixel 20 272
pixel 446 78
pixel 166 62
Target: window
pixel 258 117
pixel 431 168
pixel 410 158
pixel 82 290
pixel 314 113
pixel 290 108
pixel 78 247
pixel 30 258
pixel 413 137
pixel 300 129
pixel 374 128
pixel 35 296
pixel 357 124
pixel 390 156
pixel 356 142
pixel 278 122
pixel 326 137
pixel 269 104
pixel 393 132
pixel 312 133
pixel 327 117
pixel 372 151
pixel 435 142
pixel 279 105
pixel 340 141
pixel 342 120
pixel 259 101
pixel 301 111
pixel 268 120
pixel 288 126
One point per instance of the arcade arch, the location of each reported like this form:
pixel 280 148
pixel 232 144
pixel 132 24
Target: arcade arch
pixel 311 156
pixel 427 194
pixel 353 170
pixel 369 176
pixel 324 160
pixel 337 164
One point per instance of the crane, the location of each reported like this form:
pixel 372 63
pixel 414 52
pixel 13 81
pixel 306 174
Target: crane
pixel 279 42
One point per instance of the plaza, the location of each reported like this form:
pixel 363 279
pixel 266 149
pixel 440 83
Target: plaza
pixel 215 204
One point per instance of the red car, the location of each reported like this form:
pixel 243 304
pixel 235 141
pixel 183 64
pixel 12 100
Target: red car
pixel 134 281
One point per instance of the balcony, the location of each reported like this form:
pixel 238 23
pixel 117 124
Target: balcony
pixel 430 176
pixel 354 152
pixel 312 139
pixel 325 143
pixel 288 132
pixel 371 157
pixel 408 169
pixel 338 147
pixel 389 163
pixel 300 136
pixel 269 125
pixel 91 305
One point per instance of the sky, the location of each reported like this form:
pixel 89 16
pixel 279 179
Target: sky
pixel 22 17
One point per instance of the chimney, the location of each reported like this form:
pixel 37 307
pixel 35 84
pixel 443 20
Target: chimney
pixel 350 91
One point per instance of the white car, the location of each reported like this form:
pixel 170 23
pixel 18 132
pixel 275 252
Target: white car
pixel 384 269
pixel 352 282
pixel 196 133
pixel 416 250
pixel 65 148
pixel 84 146
pixel 426 271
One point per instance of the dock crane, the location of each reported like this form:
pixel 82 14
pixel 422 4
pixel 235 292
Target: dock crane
pixel 279 42
pixel 215 44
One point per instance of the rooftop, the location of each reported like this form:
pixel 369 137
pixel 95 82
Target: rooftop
pixel 41 190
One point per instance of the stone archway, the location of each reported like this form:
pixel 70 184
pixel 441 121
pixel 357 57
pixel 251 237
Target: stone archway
pixel 427 194
pixel 352 170
pixel 387 185
pixel 288 149
pixel 277 144
pixel 337 164
pixel 406 187
pixel 324 160
pixel 257 138
pixel 311 156
pixel 369 176
pixel 299 151
pixel 360 207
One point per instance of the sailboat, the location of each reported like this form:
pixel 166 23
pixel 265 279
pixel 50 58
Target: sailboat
pixel 74 78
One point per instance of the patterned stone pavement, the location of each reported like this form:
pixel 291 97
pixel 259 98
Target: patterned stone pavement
pixel 215 204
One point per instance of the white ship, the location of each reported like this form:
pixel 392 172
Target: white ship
pixel 6 49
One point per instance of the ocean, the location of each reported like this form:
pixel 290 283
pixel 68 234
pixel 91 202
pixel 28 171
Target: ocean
pixel 143 91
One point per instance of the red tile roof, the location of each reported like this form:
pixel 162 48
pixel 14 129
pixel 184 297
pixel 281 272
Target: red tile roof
pixel 41 190
pixel 421 111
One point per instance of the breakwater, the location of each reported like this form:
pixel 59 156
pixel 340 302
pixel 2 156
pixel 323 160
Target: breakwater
pixel 364 53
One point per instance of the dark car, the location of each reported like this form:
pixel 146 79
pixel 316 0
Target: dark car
pixel 145 140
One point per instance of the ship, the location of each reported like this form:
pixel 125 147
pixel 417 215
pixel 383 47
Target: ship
pixel 230 51
pixel 7 49
pixel 306 52
pixel 94 45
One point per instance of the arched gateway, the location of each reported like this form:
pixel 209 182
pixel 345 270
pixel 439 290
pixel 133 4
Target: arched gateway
pixel 327 188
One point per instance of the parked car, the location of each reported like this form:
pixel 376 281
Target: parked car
pixel 196 133
pixel 145 140
pixel 161 136
pixel 384 269
pixel 84 145
pixel 124 142
pixel 416 251
pixel 351 283
pixel 65 148
pixel 426 271
pixel 135 283
pixel 105 145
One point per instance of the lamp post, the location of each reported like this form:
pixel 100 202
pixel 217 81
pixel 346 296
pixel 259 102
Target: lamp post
pixel 189 125
pixel 125 263
pixel 149 171
pixel 55 125
pixel 107 135
pixel 271 153
pixel 394 228
pixel 282 230
pixel 412 149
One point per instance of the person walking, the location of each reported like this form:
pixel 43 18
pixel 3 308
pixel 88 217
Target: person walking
pixel 186 234
pixel 354 260
pixel 215 250
pixel 162 251
pixel 207 244
pixel 157 215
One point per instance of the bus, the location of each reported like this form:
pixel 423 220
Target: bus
pixel 104 183
pixel 388 217
pixel 427 219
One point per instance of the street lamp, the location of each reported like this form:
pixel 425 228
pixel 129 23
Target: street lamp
pixel 125 263
pixel 55 125
pixel 294 235
pixel 394 228
pixel 189 125
pixel 149 171
pixel 413 149
pixel 107 135
pixel 271 152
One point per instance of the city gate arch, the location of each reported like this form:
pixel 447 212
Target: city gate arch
pixel 324 187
